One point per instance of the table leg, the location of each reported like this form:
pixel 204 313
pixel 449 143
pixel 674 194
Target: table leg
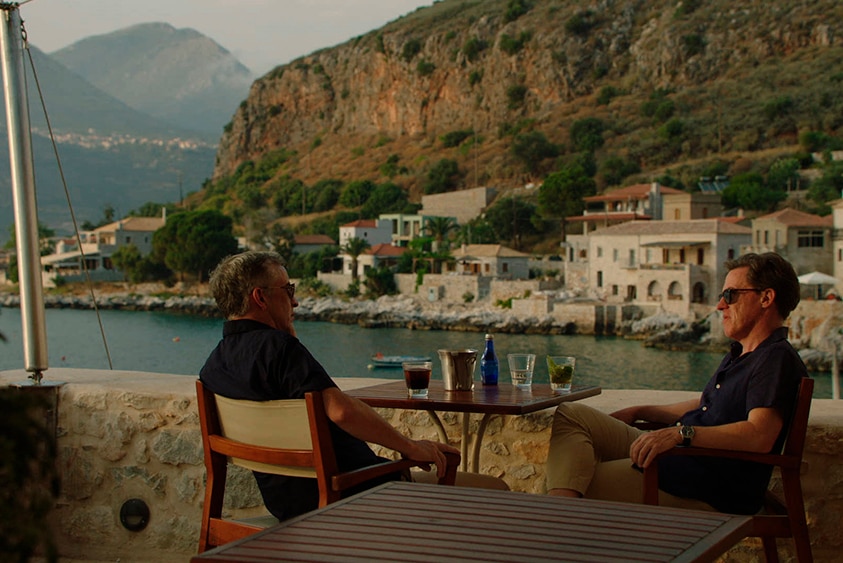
pixel 440 428
pixel 466 419
pixel 478 441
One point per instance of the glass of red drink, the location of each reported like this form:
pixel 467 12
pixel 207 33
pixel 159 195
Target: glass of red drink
pixel 417 377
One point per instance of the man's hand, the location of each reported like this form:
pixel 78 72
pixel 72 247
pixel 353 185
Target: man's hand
pixel 430 453
pixel 647 446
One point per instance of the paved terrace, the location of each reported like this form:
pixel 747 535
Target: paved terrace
pixel 124 435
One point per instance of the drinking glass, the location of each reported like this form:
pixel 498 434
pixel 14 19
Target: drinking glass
pixel 417 377
pixel 561 372
pixel 521 369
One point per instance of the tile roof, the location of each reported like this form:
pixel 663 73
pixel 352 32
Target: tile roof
pixel 142 224
pixel 314 239
pixel 488 250
pixel 384 249
pixel 795 218
pixel 637 191
pixel 695 226
pixel 362 223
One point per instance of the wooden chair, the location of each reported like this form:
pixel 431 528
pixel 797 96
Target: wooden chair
pixel 780 518
pixel 281 437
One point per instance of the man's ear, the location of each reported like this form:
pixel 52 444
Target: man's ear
pixel 258 297
pixel 768 297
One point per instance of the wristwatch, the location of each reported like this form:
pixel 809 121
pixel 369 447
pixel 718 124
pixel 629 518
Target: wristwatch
pixel 687 433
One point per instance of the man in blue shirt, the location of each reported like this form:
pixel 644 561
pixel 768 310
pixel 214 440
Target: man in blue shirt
pixel 747 405
pixel 260 359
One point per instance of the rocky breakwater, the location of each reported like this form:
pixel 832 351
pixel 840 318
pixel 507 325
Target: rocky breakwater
pixel 188 304
pixel 408 312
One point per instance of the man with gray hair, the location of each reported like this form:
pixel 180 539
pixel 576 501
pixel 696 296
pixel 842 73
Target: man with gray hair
pixel 747 405
pixel 260 359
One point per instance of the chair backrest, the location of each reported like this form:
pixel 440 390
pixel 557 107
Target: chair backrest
pixel 795 442
pixel 280 425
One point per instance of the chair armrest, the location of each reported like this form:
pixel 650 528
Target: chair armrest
pixel 651 472
pixel 351 478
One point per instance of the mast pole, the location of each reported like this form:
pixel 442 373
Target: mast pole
pixel 23 193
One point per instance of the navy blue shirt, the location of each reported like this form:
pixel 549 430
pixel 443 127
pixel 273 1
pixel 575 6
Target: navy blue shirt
pixel 767 377
pixel 256 362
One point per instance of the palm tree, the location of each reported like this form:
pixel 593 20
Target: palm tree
pixel 439 228
pixel 354 247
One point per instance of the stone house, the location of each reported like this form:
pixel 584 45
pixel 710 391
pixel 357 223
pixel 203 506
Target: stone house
pixel 641 202
pixel 491 260
pixel 463 205
pixel 306 244
pixel 98 246
pixel 373 231
pixel 676 264
pixel 804 239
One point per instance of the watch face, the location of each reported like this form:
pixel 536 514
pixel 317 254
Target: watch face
pixel 687 431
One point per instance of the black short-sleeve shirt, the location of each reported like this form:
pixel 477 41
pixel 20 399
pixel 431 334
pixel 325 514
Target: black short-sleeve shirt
pixel 767 377
pixel 256 362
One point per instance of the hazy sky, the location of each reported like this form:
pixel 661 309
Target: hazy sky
pixel 260 33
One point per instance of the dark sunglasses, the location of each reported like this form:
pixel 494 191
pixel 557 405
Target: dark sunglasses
pixel 731 295
pixel 290 288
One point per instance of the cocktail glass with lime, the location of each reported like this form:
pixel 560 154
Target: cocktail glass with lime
pixel 561 371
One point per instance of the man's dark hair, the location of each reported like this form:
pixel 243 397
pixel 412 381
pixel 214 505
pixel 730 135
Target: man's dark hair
pixel 771 271
pixel 234 278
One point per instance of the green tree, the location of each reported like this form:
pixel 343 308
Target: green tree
pixel 354 247
pixel 194 241
pixel 443 177
pixel 783 174
pixel 127 259
pixel 356 193
pixel 615 169
pixel 561 195
pixel 511 218
pixel 749 192
pixel 533 148
pixel 386 198
pixel 439 228
pixel 587 134
pixel 477 231
pixel 829 186
pixel 380 281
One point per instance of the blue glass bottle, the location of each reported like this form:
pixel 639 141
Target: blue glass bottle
pixel 489 363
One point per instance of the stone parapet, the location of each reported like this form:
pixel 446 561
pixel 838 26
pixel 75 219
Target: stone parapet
pixel 124 435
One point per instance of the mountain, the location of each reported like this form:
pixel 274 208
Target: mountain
pixel 666 88
pixel 178 76
pixel 111 154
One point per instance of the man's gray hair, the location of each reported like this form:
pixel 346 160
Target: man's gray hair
pixel 234 278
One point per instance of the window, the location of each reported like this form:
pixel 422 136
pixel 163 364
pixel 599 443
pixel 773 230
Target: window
pixel 600 252
pixel 487 268
pixel 632 257
pixel 505 267
pixel 614 255
pixel 681 255
pixel 677 214
pixel 757 238
pixel 730 255
pixel 128 240
pixel 614 290
pixel 705 213
pixel 810 239
pixel 599 279
pixel 700 256
pixel 766 237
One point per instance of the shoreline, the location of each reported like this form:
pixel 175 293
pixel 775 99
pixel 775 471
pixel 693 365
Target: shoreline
pixel 662 331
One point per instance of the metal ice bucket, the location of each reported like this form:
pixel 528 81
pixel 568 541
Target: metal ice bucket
pixel 458 369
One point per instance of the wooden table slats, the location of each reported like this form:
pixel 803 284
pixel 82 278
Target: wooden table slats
pixel 417 522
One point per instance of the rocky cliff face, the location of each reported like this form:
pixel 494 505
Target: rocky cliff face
pixel 461 65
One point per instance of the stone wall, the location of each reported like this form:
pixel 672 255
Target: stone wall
pixel 124 435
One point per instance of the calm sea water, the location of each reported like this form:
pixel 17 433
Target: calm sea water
pixel 179 344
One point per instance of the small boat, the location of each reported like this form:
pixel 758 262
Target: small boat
pixel 381 361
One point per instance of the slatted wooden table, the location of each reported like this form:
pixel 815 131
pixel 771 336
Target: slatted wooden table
pixel 411 522
pixel 489 400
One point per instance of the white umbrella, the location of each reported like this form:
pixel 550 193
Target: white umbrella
pixel 817 278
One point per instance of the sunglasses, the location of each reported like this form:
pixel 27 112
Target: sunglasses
pixel 731 295
pixel 290 288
